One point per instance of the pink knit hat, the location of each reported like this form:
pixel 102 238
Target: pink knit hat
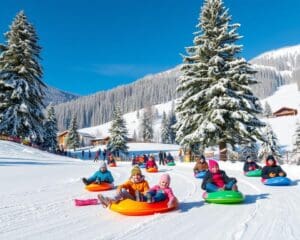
pixel 166 178
pixel 212 163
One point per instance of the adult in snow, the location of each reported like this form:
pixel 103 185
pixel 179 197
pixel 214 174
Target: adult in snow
pixel 162 191
pixel 201 164
pixel 102 175
pixel 250 164
pixel 135 188
pixel 271 169
pixel 217 180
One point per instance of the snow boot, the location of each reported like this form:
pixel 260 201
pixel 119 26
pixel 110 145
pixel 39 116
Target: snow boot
pixel 85 181
pixel 104 200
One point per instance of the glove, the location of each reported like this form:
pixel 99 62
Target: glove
pixel 281 174
pixel 272 175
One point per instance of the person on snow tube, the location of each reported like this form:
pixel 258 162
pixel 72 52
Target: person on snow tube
pixel 135 188
pixel 250 165
pixel 102 175
pixel 151 162
pixel 201 164
pixel 162 191
pixel 271 169
pixel 217 180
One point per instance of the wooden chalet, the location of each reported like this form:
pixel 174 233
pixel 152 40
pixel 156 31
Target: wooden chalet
pixel 285 111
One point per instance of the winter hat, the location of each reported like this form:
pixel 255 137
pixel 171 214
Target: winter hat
pixel 136 170
pixel 102 164
pixel 270 157
pixel 212 163
pixel 166 178
pixel 248 158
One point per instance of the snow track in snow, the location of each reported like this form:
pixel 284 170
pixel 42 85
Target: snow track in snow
pixel 36 202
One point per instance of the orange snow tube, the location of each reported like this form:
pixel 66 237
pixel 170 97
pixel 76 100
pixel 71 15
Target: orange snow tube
pixel 152 170
pixel 93 187
pixel 134 208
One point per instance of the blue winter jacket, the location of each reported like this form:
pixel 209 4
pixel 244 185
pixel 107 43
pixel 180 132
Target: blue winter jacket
pixel 102 177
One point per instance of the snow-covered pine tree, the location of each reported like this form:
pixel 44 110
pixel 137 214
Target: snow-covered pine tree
pixel 250 149
pixel 118 134
pixel 50 127
pixel 171 126
pixel 73 140
pixel 296 145
pixel 147 125
pixel 21 94
pixel 165 129
pixel 267 110
pixel 270 146
pixel 134 136
pixel 217 106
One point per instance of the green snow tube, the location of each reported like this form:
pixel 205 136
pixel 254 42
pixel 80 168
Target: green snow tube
pixel 171 164
pixel 225 197
pixel 254 173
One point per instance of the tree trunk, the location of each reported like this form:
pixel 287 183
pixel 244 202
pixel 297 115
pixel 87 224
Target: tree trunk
pixel 223 151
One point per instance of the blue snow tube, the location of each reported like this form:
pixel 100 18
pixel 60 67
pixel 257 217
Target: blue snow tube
pixel 200 174
pixel 143 165
pixel 277 181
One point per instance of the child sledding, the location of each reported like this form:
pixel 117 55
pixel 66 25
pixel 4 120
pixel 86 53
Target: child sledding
pixel 135 198
pixel 273 175
pixel 100 180
pixel 219 187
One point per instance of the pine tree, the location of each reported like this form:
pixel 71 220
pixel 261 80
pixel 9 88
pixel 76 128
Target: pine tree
pixel 50 126
pixel 267 110
pixel 118 134
pixel 296 145
pixel 250 149
pixel 217 106
pixel 21 94
pixel 164 129
pixel 73 140
pixel 270 146
pixel 147 125
pixel 171 126
pixel 134 136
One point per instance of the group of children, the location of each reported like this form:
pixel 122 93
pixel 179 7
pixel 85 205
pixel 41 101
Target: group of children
pixel 217 180
pixel 137 188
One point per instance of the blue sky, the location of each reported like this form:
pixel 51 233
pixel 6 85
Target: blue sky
pixel 94 45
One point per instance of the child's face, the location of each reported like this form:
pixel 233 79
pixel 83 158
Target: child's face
pixel 103 169
pixel 215 169
pixel 164 184
pixel 137 178
pixel 270 162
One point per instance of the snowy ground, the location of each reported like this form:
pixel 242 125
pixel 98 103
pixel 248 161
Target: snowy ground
pixel 37 192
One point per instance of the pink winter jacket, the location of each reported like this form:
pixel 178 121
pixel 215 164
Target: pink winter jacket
pixel 168 191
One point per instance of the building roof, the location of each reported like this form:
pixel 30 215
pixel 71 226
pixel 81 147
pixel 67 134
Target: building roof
pixel 285 109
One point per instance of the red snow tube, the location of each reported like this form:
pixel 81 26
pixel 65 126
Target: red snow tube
pixel 152 170
pixel 134 208
pixel 112 164
pixel 93 187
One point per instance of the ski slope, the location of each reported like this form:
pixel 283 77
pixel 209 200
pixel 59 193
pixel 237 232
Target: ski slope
pixel 37 192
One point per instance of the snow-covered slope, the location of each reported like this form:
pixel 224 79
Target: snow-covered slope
pixel 37 192
pixel 284 127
